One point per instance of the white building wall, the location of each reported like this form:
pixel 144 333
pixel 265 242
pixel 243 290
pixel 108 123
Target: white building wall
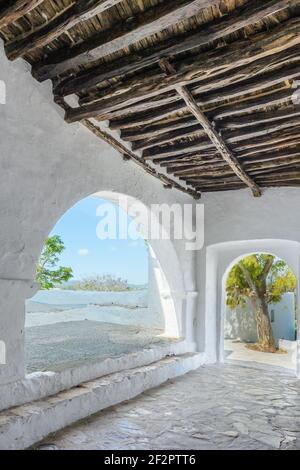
pixel 236 224
pixel 284 318
pixel 46 166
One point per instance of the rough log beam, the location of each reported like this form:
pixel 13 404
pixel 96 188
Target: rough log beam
pixel 248 148
pixel 236 123
pixel 212 133
pixel 81 10
pixel 249 166
pixel 232 137
pixel 201 67
pixel 15 9
pixel 244 17
pixel 242 104
pixel 125 33
pixel 233 84
pixel 282 176
pixel 129 155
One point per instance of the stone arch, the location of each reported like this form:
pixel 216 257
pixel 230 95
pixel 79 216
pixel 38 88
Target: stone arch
pixel 167 271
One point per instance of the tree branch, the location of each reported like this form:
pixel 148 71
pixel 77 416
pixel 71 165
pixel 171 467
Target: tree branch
pixel 266 269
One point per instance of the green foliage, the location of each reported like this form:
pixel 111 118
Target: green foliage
pixel 104 283
pixel 48 274
pixel 272 280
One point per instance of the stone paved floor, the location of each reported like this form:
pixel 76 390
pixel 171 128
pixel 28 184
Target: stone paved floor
pixel 216 407
pixel 237 351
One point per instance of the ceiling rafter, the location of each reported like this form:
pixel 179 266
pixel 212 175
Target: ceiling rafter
pixel 223 116
pixel 15 9
pixel 212 133
pixel 248 15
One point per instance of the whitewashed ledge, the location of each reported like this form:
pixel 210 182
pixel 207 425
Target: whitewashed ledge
pixel 39 385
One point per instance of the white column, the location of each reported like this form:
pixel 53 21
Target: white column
pixel 13 294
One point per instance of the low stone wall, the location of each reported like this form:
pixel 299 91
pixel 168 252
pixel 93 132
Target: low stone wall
pixel 39 385
pixel 68 298
pixel 121 308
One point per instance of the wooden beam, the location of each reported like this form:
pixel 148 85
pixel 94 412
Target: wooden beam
pixel 201 67
pixel 247 89
pixel 128 154
pixel 264 131
pixel 213 134
pixel 81 10
pixel 279 141
pixel 228 24
pixel 281 175
pixel 122 35
pixel 280 68
pixel 12 10
pixel 238 105
pixel 252 166
pixel 187 130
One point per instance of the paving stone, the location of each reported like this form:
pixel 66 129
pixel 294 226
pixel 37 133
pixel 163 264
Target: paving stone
pixel 215 407
pixel 232 434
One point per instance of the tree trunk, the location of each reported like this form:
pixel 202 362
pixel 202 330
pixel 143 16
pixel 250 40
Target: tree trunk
pixel 265 336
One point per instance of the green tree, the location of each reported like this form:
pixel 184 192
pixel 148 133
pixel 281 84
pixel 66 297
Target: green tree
pixel 262 279
pixel 48 274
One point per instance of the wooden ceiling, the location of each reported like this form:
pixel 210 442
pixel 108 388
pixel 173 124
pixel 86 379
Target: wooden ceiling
pixel 202 90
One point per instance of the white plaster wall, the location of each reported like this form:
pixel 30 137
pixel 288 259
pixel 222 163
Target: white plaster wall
pixel 46 166
pixel 240 324
pixel 284 318
pixel 236 224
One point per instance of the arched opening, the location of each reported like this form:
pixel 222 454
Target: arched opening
pixel 125 293
pixel 220 258
pixel 259 311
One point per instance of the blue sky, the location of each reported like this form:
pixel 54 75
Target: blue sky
pixel 87 255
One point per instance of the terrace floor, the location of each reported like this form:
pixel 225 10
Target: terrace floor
pixel 216 407
pixel 59 346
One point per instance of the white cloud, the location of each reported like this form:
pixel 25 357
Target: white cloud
pixel 83 252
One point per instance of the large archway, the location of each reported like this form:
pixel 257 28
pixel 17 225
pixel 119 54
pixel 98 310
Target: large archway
pixel 73 322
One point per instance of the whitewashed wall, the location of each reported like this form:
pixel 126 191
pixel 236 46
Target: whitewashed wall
pixel 46 166
pixel 236 224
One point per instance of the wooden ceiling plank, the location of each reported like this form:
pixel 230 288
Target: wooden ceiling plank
pixel 119 147
pixel 126 33
pixel 252 168
pixel 187 130
pixel 80 11
pixel 243 17
pixel 238 106
pixel 200 67
pixel 251 78
pixel 215 137
pixel 12 10
pixel 232 137
pixel 243 91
